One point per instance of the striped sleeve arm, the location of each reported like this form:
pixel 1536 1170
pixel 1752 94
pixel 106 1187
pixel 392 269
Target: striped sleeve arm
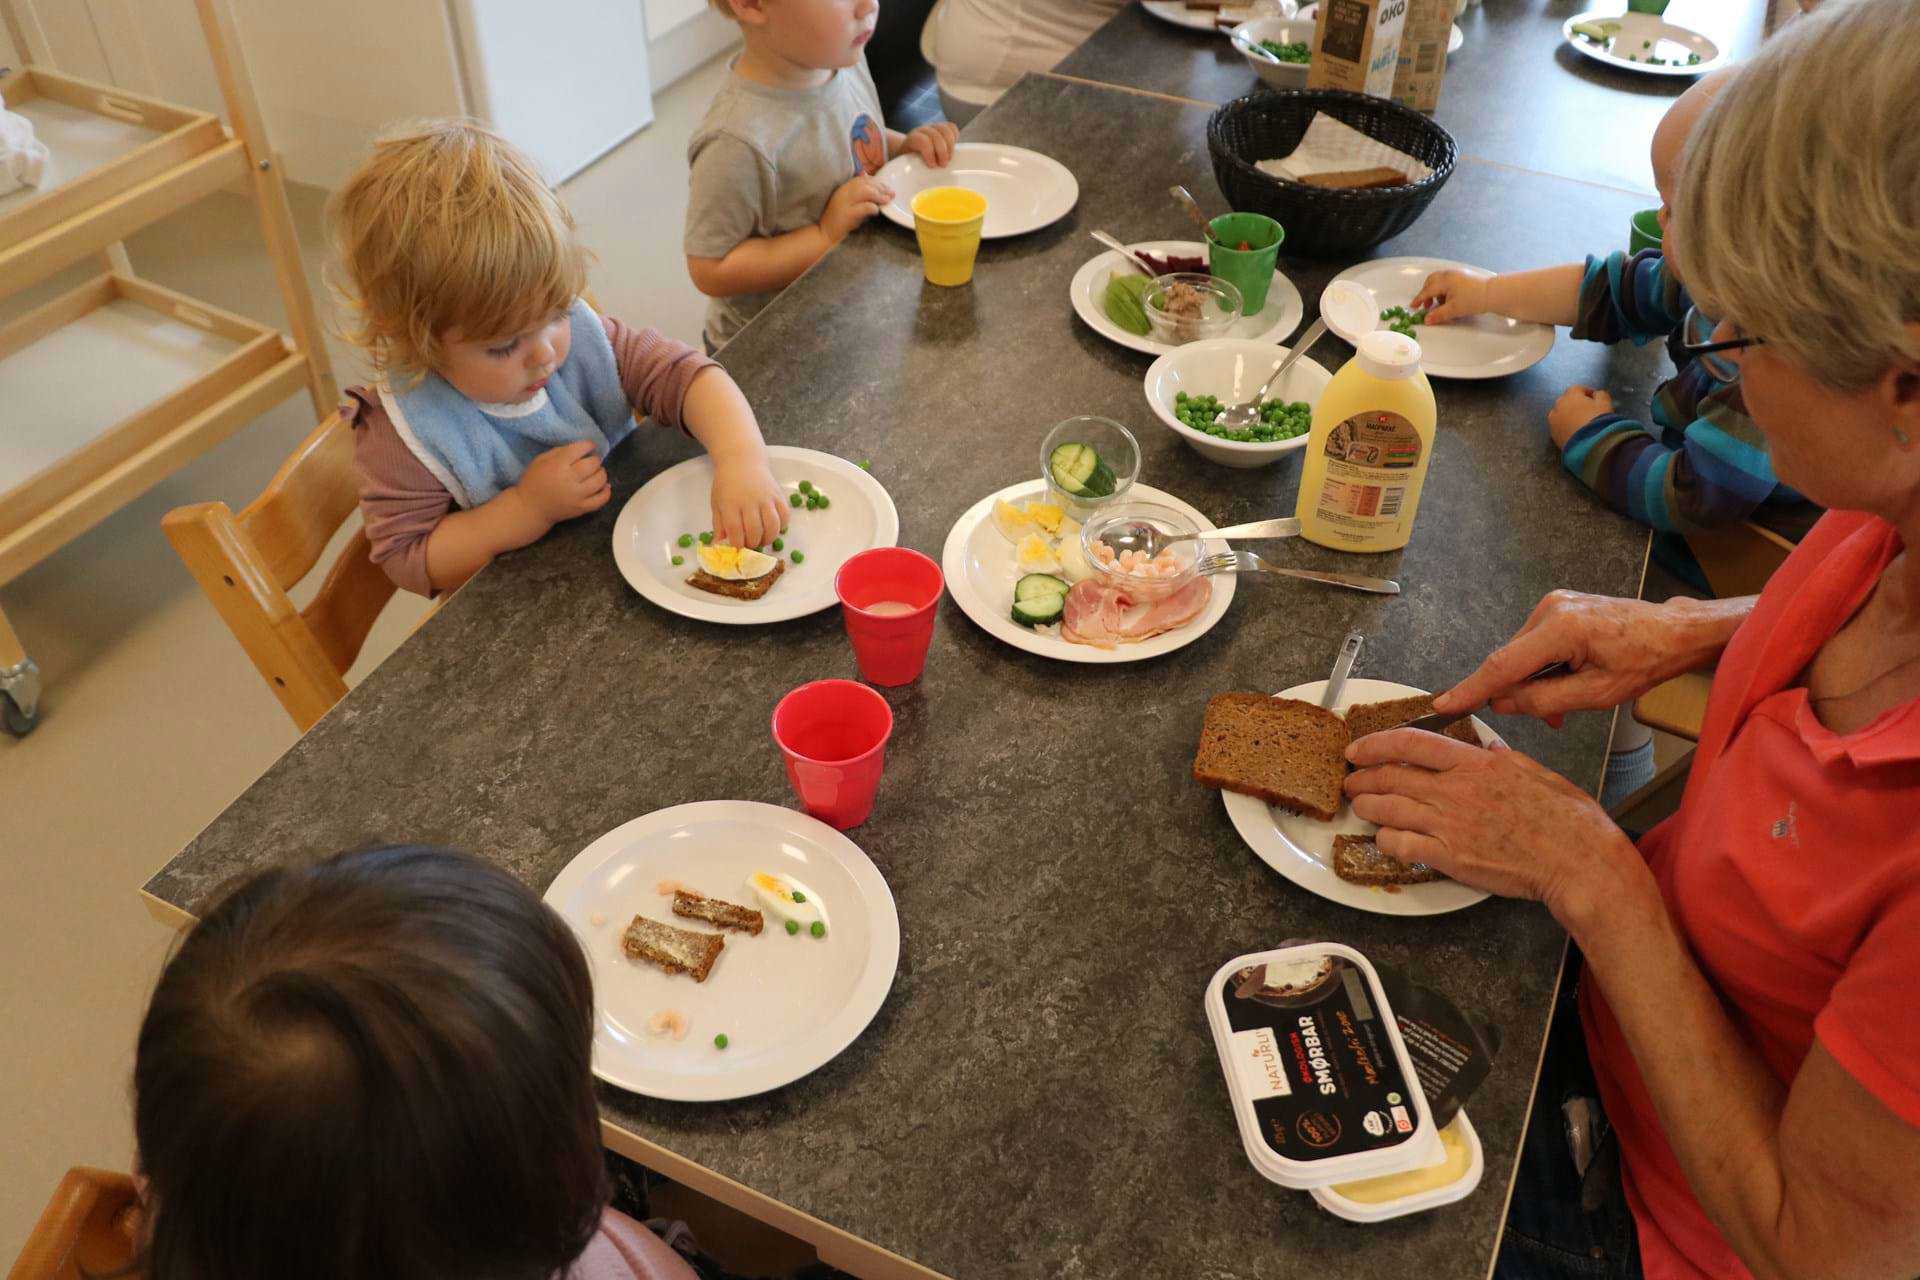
pixel 1633 298
pixel 1714 478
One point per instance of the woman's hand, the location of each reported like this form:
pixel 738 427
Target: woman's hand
pixel 749 507
pixel 1618 650
pixel 1495 820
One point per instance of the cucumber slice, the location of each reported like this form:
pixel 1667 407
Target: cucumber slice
pixel 1072 465
pixel 1038 586
pixel 1101 483
pixel 1039 611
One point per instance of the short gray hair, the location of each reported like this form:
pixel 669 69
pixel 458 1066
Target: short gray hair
pixel 1799 202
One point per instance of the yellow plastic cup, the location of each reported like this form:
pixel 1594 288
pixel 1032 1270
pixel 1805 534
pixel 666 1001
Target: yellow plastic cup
pixel 947 221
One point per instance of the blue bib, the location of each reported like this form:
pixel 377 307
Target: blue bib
pixel 478 451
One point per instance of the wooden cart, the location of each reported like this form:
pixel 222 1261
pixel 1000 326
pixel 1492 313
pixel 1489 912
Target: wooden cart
pixel 174 376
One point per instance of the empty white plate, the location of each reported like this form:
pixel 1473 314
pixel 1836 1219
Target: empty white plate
pixel 646 537
pixel 1487 346
pixel 1301 848
pixel 979 566
pixel 787 1003
pixel 1274 322
pixel 1643 37
pixel 1025 190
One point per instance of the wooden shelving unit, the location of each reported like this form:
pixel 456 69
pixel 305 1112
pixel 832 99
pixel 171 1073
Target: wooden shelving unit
pixel 120 162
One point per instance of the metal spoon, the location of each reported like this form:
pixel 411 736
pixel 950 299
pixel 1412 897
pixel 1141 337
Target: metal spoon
pixel 1140 535
pixel 1192 206
pixel 1241 416
pixel 1124 252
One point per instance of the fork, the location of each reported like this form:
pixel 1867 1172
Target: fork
pixel 1248 562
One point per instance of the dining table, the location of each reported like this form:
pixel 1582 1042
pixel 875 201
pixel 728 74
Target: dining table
pixel 1515 92
pixel 1038 1095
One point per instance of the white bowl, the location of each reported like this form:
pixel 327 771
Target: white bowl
pixel 1283 31
pixel 1231 369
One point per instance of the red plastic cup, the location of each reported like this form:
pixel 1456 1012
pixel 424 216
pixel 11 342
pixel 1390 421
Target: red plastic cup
pixel 891 645
pixel 834 734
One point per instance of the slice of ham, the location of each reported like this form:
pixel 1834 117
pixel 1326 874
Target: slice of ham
pixel 1105 618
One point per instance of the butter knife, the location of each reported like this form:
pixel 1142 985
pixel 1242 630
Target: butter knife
pixel 1434 721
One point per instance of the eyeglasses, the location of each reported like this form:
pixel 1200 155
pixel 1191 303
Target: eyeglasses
pixel 1699 343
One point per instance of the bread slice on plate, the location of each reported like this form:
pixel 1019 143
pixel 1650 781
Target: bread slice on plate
pixel 1372 717
pixel 1280 750
pixel 712 910
pixel 749 589
pixel 1358 860
pixel 675 950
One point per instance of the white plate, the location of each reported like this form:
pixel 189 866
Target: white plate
pixel 1667 41
pixel 646 536
pixel 788 1004
pixel 1179 15
pixel 1487 346
pixel 1455 36
pixel 1231 370
pixel 1301 848
pixel 1025 190
pixel 980 572
pixel 1275 322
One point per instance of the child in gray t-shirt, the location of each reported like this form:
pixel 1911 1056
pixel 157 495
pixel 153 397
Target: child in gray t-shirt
pixel 783 164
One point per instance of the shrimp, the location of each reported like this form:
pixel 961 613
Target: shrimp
pixel 668 1022
pixel 668 887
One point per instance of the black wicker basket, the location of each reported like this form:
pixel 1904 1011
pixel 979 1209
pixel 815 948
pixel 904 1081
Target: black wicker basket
pixel 1321 223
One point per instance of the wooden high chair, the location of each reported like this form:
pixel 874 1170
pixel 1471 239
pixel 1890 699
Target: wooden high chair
pixel 247 562
pixel 91 1227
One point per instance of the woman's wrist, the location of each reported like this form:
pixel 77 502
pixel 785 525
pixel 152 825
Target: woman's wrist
pixel 1701 629
pixel 1607 895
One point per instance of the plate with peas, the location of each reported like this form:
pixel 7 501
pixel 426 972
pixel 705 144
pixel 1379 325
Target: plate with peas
pixel 1484 346
pixel 663 537
pixel 1188 387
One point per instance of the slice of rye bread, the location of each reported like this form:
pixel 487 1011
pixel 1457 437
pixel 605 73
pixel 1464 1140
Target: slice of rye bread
pixel 1372 717
pixel 1358 860
pixel 750 589
pixel 712 910
pixel 1280 750
pixel 675 950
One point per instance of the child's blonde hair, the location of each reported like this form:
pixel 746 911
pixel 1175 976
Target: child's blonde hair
pixel 448 225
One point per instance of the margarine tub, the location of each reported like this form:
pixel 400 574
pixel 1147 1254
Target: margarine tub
pixel 1390 1195
pixel 1323 1088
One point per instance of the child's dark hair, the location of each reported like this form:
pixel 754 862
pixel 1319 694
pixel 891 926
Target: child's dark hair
pixel 375 1066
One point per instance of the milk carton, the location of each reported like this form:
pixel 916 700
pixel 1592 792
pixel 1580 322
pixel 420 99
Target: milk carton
pixel 1356 46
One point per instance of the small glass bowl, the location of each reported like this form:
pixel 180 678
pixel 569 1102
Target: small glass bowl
pixel 1117 449
pixel 1219 300
pixel 1136 586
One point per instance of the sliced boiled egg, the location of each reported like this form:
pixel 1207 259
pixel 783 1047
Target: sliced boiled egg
pixel 1073 561
pixel 1033 555
pixel 1013 523
pixel 1047 516
pixel 735 564
pixel 782 897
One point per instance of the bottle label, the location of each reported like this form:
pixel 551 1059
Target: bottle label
pixel 1370 458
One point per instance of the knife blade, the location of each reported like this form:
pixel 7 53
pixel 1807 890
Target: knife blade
pixel 1351 581
pixel 1435 722
pixel 1342 668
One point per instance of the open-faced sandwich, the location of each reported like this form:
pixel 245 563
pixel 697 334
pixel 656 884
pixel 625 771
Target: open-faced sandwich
pixel 739 573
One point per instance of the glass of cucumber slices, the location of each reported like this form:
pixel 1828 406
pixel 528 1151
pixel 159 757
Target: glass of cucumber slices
pixel 1089 462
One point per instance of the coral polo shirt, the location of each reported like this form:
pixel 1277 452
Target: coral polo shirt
pixel 1793 871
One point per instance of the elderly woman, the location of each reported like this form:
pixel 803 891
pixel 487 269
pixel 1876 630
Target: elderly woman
pixel 1750 999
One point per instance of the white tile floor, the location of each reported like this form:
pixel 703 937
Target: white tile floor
pixel 154 719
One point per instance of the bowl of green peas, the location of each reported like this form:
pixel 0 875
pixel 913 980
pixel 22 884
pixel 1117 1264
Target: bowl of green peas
pixel 1189 386
pixel 1277 50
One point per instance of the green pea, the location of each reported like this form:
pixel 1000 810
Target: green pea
pixel 799 556
pixel 793 926
pixel 794 499
pixel 679 560
pixel 720 1041
pixel 779 544
pixel 706 539
pixel 806 486
pixel 825 502
pixel 867 466
pixel 799 896
pixel 686 539
pixel 819 930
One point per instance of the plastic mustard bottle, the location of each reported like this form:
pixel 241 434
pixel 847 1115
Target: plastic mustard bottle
pixel 1367 454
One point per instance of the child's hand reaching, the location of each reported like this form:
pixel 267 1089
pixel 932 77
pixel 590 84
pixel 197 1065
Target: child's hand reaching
pixel 749 507
pixel 1576 407
pixel 934 143
pixel 565 482
pixel 857 200
pixel 1452 295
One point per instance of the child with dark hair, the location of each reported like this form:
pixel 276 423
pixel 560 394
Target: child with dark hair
pixel 378 1066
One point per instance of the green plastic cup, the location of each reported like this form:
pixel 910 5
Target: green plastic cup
pixel 1654 7
pixel 1250 271
pixel 1644 231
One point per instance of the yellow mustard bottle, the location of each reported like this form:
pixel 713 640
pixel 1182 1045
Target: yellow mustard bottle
pixel 1368 450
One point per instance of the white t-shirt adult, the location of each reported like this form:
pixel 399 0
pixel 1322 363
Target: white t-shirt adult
pixel 980 47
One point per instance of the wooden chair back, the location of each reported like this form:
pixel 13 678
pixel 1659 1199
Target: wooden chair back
pixel 247 561
pixel 91 1227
